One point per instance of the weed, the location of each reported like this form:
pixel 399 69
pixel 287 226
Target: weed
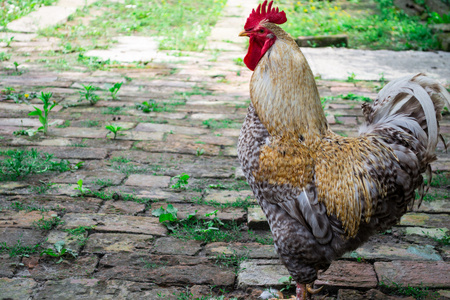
pixel 444 240
pixel 4 56
pixel 16 66
pixel 420 292
pixel 43 115
pixel 182 181
pixel 440 179
pixel 79 234
pixel 102 182
pixel 18 249
pixel 147 106
pixel 287 282
pixel 83 191
pixel 115 89
pixel 239 61
pixel 21 163
pixel 351 96
pixel 130 168
pixel 89 94
pixel 231 260
pixel 117 110
pixel 59 250
pixel 208 230
pixel 260 239
pixel 152 265
pixel 200 152
pixel 43 188
pixel 48 224
pixel 113 129
pixel 89 123
pixel 119 159
pixel 352 78
pixel 8 41
pixel 20 207
pixel 64 125
pixel 216 124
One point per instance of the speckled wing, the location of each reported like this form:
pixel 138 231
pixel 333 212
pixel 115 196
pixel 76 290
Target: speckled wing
pixel 271 183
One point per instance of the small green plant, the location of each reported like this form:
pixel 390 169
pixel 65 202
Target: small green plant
pixel 352 78
pixel 43 114
pixel 8 41
pixel 113 129
pixel 120 159
pixel 182 181
pixel 147 106
pixel 83 191
pixel 419 292
pixel 286 281
pixel 115 89
pixel 351 96
pixel 204 229
pixel 89 94
pixel 48 224
pixel 16 66
pixel 18 164
pixel 200 152
pixel 444 240
pixel 216 124
pixel 4 56
pixel 231 260
pixel 239 61
pixel 18 249
pixel 43 188
pixel 166 215
pixel 59 250
pixel 79 234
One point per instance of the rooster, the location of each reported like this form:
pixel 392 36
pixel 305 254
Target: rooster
pixel 324 194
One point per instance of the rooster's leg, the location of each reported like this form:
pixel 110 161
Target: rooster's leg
pixel 304 291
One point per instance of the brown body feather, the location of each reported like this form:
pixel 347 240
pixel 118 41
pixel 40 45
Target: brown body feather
pixel 324 194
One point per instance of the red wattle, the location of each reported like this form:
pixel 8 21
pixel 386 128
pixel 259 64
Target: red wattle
pixel 256 50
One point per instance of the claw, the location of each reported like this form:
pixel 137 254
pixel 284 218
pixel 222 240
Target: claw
pixel 313 291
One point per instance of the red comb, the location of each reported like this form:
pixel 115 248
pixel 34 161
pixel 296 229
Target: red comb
pixel 272 15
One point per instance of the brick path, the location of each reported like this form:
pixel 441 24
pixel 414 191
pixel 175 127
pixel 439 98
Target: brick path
pixel 126 253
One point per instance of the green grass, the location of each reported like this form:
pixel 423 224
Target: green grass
pixel 18 164
pixel 199 229
pixel 11 10
pixel 47 224
pixel 369 24
pixel 181 25
pixel 18 249
pixel 419 293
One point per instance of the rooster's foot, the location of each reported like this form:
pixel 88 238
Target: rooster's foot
pixel 304 291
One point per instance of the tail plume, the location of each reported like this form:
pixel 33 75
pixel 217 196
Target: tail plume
pixel 410 104
pixel 406 116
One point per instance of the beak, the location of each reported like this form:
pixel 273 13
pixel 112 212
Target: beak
pixel 244 33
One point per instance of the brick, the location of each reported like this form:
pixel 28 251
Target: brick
pixel 115 223
pixel 343 274
pixel 118 242
pixel 263 272
pixel 414 274
pixel 149 181
pixel 174 246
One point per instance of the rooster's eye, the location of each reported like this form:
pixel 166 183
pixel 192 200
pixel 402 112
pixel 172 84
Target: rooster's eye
pixel 261 30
